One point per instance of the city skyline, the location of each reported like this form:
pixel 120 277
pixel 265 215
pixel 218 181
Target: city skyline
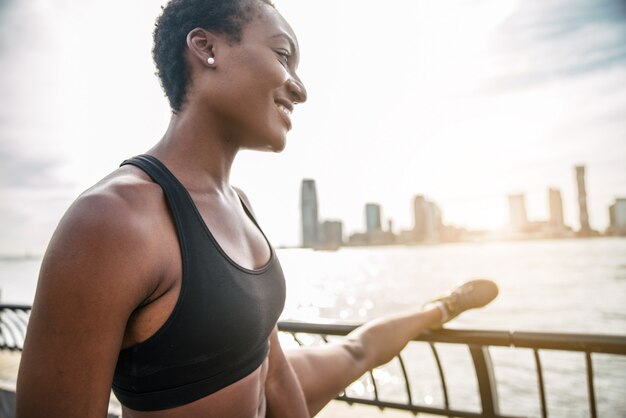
pixel 428 225
pixel 496 97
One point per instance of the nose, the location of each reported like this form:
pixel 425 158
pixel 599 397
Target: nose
pixel 297 91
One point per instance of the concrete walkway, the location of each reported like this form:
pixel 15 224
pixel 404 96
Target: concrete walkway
pixel 9 363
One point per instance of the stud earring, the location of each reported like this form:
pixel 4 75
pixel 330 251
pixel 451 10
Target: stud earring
pixel 210 60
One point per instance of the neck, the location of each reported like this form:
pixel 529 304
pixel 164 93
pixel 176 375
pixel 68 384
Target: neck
pixel 199 157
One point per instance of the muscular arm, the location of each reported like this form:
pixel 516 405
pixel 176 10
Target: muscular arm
pixel 92 278
pixel 283 392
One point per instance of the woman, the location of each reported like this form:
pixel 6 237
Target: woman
pixel 159 282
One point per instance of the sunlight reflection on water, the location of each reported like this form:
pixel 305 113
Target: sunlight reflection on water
pixel 576 286
pixel 566 286
pixel 573 286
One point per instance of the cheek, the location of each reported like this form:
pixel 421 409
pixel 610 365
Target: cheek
pixel 271 75
pixel 263 68
pixel 270 71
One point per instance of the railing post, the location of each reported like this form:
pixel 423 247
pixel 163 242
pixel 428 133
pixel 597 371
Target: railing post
pixel 592 393
pixel 486 380
pixel 542 389
pixel 442 377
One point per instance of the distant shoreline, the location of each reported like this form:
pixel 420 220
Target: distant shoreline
pixel 30 257
pixel 476 241
pixel 21 257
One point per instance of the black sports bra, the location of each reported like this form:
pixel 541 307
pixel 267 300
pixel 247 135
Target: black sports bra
pixel 218 331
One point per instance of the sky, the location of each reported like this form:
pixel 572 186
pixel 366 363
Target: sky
pixel 464 102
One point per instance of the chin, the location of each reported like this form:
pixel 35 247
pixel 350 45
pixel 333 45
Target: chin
pixel 275 145
pixel 279 147
pixel 275 148
pixel 271 140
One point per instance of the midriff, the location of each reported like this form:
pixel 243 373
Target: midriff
pixel 242 399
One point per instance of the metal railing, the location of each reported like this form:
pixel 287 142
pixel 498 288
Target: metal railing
pixel 478 343
pixel 14 320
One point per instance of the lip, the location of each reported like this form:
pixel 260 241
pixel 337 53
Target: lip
pixel 289 106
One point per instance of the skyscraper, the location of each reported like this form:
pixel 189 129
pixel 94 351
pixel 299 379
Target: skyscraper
pixel 556 207
pixel 420 217
pixel 617 217
pixel 331 233
pixel 310 217
pixel 433 222
pixel 582 200
pixel 372 218
pixel 427 224
pixel 517 211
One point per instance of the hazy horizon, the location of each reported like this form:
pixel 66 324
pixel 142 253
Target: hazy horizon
pixel 464 102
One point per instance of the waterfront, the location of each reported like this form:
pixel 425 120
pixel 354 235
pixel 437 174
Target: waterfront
pixel 576 286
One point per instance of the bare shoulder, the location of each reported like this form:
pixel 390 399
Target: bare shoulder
pixel 109 227
pixel 101 264
pixel 127 190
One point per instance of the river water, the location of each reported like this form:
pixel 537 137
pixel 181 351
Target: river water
pixel 576 286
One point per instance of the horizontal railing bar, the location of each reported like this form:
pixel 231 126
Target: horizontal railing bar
pixel 317 328
pixel 16 307
pixel 16 320
pixel 608 344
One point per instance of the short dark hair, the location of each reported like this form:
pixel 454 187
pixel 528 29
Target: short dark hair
pixel 178 18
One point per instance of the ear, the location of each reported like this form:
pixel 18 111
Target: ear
pixel 201 44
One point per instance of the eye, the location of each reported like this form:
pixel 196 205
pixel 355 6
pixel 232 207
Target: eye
pixel 284 56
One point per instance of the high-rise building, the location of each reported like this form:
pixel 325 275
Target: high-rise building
pixel 427 224
pixel 556 207
pixel 433 222
pixel 585 229
pixel 332 233
pixel 372 218
pixel 310 217
pixel 420 217
pixel 617 216
pixel 517 211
